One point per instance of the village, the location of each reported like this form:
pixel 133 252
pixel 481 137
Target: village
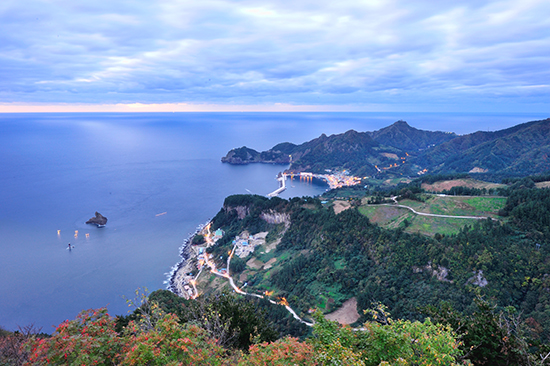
pixel 186 277
pixel 185 280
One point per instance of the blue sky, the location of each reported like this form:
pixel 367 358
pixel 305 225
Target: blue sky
pixel 349 55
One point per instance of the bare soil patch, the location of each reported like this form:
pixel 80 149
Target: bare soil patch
pixel 254 263
pixel 269 263
pixel 340 206
pixel 347 314
pixel 390 156
pixel 464 206
pixel 543 184
pixel 383 214
pixel 448 184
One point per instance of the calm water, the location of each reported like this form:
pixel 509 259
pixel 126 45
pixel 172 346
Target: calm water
pixel 58 169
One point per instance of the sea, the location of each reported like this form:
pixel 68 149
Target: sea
pixel 156 177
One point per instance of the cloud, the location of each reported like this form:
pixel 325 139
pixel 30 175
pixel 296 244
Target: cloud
pixel 252 52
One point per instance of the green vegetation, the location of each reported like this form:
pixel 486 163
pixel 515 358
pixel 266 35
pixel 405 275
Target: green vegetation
pixel 486 204
pixel 463 292
pixel 400 151
pixel 198 239
pixel 156 337
pixel 407 261
pixel 393 217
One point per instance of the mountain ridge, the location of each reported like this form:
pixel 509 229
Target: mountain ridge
pixel 523 149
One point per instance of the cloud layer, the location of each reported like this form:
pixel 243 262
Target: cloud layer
pixel 392 54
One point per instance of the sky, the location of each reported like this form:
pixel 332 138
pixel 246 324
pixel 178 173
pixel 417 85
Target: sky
pixel 269 55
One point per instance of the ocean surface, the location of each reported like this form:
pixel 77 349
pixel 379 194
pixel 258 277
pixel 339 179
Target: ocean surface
pixel 156 177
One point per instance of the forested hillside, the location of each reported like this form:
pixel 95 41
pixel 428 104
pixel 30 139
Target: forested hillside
pixel 324 258
pixel 402 150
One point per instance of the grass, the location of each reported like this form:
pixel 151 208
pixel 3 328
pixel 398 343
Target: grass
pixel 340 264
pixel 458 206
pixel 368 210
pixel 263 256
pixel 431 225
pixel 208 283
pixel 394 217
pixel 486 204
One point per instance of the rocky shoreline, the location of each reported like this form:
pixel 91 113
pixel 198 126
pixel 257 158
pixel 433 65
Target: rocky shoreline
pixel 177 274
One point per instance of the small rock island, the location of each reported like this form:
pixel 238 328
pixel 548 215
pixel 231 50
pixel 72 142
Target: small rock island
pixel 98 220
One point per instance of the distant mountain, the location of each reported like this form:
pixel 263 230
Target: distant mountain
pixel 245 155
pixel 405 137
pixel 520 150
pixel 404 150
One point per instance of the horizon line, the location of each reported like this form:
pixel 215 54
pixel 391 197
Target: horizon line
pixel 181 107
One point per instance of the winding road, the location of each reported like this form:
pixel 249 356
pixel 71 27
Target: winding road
pixel 396 204
pixel 239 291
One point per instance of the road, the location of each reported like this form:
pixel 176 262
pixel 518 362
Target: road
pixel 396 204
pixel 239 291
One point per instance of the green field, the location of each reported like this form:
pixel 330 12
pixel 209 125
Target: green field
pixel 393 217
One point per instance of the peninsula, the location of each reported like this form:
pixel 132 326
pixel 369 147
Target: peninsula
pixel 400 149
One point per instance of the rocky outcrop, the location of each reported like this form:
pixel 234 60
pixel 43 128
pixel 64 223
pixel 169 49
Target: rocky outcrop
pixel 439 272
pixel 273 217
pixel 242 211
pixel 98 220
pixel 479 279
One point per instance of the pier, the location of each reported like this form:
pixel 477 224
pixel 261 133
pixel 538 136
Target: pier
pixel 333 180
pixel 282 185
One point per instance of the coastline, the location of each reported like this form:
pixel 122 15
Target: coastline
pixel 175 282
pixel 179 279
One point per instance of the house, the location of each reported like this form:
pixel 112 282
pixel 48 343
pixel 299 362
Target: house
pixel 218 234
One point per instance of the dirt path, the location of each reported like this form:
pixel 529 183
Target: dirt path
pixel 429 214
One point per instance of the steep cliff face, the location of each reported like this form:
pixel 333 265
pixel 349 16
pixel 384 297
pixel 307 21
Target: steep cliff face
pixel 273 217
pixel 242 211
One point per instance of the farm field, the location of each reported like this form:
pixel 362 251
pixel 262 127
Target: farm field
pixel 392 217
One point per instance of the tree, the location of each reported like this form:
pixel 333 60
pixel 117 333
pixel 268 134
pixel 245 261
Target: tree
pixel 233 322
pixel 91 339
pixel 488 337
pixel 12 350
pixel 287 351
pixel 399 342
